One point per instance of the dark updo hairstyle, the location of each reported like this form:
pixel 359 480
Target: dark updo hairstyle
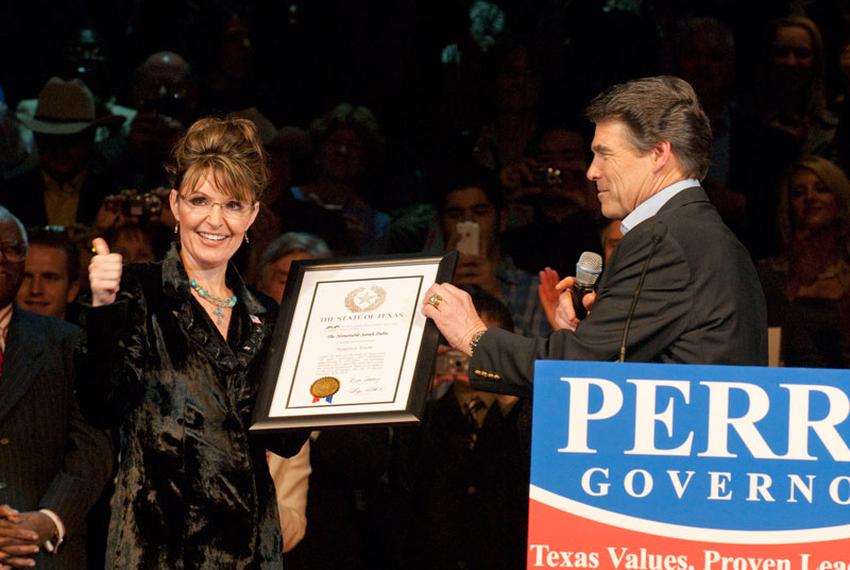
pixel 227 150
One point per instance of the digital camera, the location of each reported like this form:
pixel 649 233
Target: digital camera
pixel 548 176
pixel 452 362
pixel 130 203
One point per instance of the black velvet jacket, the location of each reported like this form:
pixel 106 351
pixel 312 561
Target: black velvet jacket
pixel 192 490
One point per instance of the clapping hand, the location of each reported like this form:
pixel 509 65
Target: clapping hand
pixel 556 297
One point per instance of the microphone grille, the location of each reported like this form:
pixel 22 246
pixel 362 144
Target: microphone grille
pixel 589 267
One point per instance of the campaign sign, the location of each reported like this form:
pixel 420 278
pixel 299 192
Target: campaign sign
pixel 673 467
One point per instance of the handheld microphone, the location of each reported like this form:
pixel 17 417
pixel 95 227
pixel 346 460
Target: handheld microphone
pixel 588 268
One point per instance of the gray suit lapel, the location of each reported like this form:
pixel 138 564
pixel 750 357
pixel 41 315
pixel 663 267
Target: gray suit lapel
pixel 22 360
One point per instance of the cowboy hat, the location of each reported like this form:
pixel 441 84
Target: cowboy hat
pixel 64 108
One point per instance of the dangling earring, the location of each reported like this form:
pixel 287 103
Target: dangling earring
pixel 246 238
pixel 176 228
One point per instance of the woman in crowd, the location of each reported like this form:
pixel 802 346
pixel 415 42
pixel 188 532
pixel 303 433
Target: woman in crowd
pixel 276 261
pixel 790 95
pixel 515 115
pixel 337 204
pixel 132 241
pixel 174 355
pixel 786 120
pixel 808 287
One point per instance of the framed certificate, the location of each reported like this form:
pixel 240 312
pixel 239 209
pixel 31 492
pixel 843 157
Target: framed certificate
pixel 351 345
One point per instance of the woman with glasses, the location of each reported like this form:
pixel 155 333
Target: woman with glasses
pixel 174 355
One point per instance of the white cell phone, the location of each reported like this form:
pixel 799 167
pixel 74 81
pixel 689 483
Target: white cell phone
pixel 470 238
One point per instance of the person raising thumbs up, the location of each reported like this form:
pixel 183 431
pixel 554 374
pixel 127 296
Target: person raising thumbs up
pixel 174 355
pixel 104 273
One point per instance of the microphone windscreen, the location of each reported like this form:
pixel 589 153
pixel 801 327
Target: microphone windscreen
pixel 588 268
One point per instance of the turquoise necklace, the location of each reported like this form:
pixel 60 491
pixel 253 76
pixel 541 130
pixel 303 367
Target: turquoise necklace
pixel 220 303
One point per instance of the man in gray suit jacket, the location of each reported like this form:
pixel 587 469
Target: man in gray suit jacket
pixel 53 465
pixel 679 287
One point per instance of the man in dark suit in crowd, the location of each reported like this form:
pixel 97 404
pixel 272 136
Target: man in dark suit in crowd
pixel 699 296
pixel 53 465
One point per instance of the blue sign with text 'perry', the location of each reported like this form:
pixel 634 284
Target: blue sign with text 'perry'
pixel 703 467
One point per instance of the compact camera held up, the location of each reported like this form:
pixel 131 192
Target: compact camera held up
pixel 452 362
pixel 131 204
pixel 547 176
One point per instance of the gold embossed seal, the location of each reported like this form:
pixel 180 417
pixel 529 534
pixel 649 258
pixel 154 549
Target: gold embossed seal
pixel 324 387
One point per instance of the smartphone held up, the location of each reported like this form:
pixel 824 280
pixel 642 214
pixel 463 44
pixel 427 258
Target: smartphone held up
pixel 469 238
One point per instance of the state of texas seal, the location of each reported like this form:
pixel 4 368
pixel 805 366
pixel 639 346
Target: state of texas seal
pixel 365 299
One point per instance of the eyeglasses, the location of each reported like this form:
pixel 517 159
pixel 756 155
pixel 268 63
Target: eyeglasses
pixel 13 252
pixel 49 230
pixel 232 209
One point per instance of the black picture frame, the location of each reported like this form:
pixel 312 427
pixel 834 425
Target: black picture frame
pixel 274 408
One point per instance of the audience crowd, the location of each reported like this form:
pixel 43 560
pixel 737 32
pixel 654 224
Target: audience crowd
pixel 388 128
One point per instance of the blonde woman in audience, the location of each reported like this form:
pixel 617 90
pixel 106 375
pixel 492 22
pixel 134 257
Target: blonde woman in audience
pixel 807 288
